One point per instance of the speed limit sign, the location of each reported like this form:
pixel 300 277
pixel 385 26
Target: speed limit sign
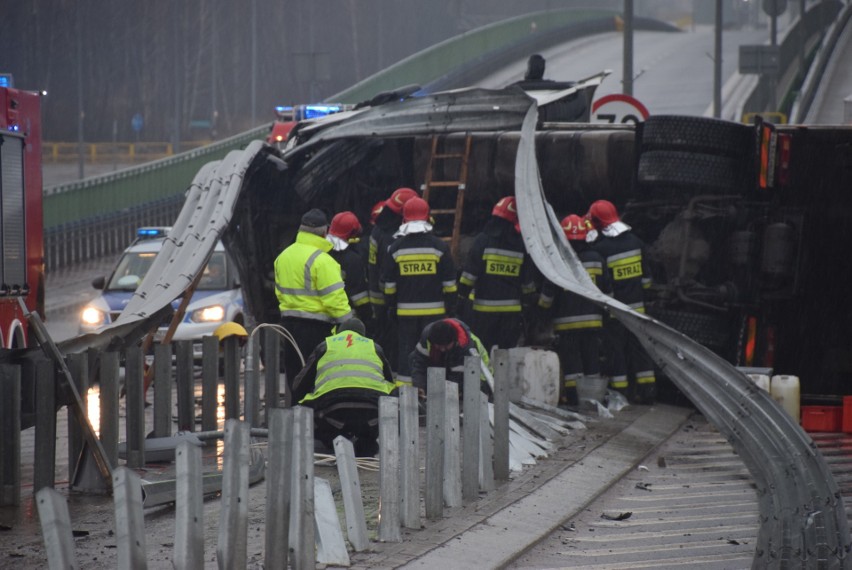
pixel 618 108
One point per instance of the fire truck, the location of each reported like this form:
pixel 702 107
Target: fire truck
pixel 22 265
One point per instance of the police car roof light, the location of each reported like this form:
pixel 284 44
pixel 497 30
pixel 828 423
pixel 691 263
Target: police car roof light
pixel 152 232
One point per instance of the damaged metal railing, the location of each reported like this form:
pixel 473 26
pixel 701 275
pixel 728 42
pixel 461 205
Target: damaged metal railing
pixel 802 516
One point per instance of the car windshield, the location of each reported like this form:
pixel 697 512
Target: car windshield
pixel 133 266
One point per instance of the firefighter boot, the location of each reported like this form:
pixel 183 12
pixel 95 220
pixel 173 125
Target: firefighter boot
pixel 569 395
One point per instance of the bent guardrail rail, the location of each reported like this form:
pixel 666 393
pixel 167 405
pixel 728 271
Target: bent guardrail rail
pixel 802 515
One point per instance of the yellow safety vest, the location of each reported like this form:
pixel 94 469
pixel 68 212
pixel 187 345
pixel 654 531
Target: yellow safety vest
pixel 350 361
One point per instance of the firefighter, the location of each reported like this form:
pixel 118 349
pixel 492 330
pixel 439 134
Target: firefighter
pixel 344 234
pixel 342 380
pixel 445 344
pixel 577 323
pixel 624 262
pixel 387 222
pixel 497 273
pixel 419 279
pixel 310 290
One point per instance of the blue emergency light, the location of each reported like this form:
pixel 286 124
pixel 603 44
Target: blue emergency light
pixel 6 80
pixel 151 232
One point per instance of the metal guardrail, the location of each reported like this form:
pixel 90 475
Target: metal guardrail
pixel 815 22
pixel 100 152
pixel 75 242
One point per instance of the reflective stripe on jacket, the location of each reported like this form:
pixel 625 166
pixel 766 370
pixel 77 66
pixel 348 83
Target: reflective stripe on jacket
pixel 308 283
pixel 350 361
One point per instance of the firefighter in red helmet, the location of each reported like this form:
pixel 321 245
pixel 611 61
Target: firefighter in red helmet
pixel 344 233
pixel 497 275
pixel 624 261
pixel 388 220
pixel 419 278
pixel 577 322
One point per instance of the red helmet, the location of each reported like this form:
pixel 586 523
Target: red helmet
pixel 415 209
pixel 576 227
pixel 377 209
pixel 602 214
pixel 506 209
pixel 345 225
pixel 399 197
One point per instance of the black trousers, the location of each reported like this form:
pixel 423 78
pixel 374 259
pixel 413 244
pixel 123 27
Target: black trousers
pixel 626 357
pixel 409 330
pixel 351 413
pixel 308 334
pixel 500 329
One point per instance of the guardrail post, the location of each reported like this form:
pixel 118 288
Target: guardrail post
pixel 209 384
pixel 470 441
pixel 302 532
pixel 44 467
pixel 109 373
pixel 389 469
pixel 78 365
pixel 452 461
pixel 272 373
pixel 233 520
pixel 185 385
pixel 486 449
pixel 129 518
pixel 162 390
pixel 409 457
pixel 435 402
pixel 189 507
pixel 501 415
pixel 331 548
pixel 56 528
pixel 278 487
pixel 10 435
pixel 252 382
pixel 134 403
pixel 350 488
pixel 231 351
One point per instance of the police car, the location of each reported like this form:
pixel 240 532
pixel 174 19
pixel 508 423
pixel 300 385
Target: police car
pixel 217 298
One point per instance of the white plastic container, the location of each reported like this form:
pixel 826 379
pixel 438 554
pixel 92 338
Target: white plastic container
pixel 762 380
pixel 785 390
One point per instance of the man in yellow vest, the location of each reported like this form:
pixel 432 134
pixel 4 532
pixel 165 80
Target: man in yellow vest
pixel 342 380
pixel 310 290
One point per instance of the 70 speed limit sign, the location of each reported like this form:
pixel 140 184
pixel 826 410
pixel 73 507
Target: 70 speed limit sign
pixel 618 108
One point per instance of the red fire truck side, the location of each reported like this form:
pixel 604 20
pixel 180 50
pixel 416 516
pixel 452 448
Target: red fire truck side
pixel 21 237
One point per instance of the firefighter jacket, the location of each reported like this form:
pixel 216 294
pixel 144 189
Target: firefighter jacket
pixel 308 282
pixel 625 265
pixel 345 360
pixel 381 236
pixel 425 356
pixel 419 276
pixel 571 312
pixel 354 280
pixel 497 270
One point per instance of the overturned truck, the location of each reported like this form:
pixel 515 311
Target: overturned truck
pixel 745 224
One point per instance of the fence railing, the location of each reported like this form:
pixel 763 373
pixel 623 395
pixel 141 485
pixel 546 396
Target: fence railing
pixel 107 234
pixel 456 471
pixel 124 152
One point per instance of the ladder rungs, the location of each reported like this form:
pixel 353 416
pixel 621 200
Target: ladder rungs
pixel 443 211
pixel 448 155
pixel 446 184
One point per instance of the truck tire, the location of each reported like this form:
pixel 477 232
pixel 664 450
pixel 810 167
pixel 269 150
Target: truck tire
pixel 709 330
pixel 696 134
pixel 708 172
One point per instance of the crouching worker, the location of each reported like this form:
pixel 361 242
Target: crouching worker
pixel 342 380
pixel 444 344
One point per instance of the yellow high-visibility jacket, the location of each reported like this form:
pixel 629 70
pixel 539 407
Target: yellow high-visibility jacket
pixel 308 282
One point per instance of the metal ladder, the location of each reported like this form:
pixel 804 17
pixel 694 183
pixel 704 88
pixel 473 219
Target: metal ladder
pixel 458 185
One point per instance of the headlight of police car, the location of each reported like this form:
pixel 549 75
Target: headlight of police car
pixel 92 317
pixel 211 314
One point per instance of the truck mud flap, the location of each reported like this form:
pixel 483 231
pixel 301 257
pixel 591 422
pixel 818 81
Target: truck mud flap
pixel 802 516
